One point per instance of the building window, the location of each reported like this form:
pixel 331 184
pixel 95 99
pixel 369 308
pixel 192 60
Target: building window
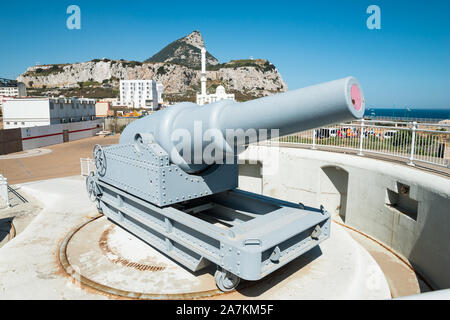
pixel 23 123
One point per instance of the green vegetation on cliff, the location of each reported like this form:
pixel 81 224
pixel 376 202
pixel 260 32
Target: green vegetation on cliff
pixel 180 52
pixel 261 65
pixel 46 70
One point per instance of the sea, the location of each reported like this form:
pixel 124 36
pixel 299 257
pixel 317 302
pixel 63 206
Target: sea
pixel 408 113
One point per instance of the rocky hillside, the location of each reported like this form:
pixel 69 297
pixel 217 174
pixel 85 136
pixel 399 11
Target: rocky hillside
pixel 176 67
pixel 185 51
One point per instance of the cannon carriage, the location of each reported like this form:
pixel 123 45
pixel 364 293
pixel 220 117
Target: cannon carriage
pixel 172 181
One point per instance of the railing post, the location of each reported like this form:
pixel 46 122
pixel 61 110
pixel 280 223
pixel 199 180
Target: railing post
pixel 413 144
pixel 4 192
pixel 91 165
pixel 89 169
pixel 361 142
pixel 314 140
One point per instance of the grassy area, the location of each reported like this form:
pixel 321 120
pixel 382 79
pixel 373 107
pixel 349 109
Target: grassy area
pixel 86 92
pixel 261 65
pixel 180 52
pixel 190 96
pixel 90 83
pixel 93 93
pixel 131 64
pixel 45 71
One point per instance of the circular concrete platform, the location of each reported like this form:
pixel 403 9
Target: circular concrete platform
pixel 103 256
pixel 107 258
pixel 104 261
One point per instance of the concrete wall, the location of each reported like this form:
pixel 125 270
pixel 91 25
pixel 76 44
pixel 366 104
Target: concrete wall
pixel 250 176
pixel 37 137
pixel 112 124
pixel 10 141
pixel 405 208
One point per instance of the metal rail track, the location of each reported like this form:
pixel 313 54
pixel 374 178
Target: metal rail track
pixel 18 195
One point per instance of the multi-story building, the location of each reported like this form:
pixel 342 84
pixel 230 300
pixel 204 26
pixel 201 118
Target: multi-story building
pixel 33 112
pixel 12 88
pixel 141 94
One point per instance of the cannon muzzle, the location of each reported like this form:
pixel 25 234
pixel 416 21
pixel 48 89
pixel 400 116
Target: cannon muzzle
pixel 186 130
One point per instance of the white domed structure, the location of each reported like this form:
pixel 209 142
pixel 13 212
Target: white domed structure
pixel 220 91
pixel 205 98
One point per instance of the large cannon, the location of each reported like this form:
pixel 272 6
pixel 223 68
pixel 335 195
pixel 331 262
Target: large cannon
pixel 172 181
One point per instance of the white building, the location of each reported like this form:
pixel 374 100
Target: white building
pixel 102 108
pixel 12 88
pixel 210 98
pixel 205 98
pixel 34 112
pixel 141 94
pixel 3 100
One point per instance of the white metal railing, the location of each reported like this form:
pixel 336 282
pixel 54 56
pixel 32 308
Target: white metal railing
pixel 412 141
pixel 87 166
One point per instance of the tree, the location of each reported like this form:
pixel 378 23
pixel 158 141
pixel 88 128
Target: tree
pixel 402 137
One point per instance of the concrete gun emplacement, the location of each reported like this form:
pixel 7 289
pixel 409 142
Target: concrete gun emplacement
pixel 160 184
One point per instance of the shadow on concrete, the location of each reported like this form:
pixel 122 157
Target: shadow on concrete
pixel 339 178
pixel 430 253
pixel 211 269
pixel 5 229
pixel 257 288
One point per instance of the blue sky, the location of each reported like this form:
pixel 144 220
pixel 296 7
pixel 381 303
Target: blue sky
pixel 406 63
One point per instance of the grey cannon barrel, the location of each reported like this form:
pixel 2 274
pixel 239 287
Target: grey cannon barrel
pixel 187 131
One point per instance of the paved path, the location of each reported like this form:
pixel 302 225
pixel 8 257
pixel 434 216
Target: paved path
pixel 62 161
